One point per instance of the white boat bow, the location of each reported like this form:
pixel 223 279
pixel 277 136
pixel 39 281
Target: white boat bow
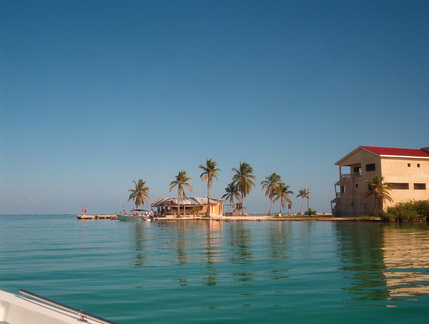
pixel 16 309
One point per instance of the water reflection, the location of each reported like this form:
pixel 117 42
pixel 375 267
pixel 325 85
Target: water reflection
pixel 375 262
pixel 179 242
pixel 140 256
pixel 279 236
pixel 213 251
pixel 406 255
pixel 384 262
pixel 305 237
pixel 213 242
pixel 362 259
pixel 192 241
pixel 239 240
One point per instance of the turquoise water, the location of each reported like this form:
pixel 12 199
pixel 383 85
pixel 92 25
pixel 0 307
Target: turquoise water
pixel 214 272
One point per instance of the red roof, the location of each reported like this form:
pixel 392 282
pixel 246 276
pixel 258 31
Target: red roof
pixel 396 151
pixel 391 151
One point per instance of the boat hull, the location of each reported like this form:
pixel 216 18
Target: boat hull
pixel 131 218
pixel 17 309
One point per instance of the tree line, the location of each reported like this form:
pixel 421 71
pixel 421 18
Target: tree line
pixel 241 185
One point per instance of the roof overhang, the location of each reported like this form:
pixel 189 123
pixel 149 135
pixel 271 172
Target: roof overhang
pixel 351 153
pixel 421 154
pixel 185 201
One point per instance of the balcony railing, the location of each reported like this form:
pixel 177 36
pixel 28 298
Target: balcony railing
pixel 351 175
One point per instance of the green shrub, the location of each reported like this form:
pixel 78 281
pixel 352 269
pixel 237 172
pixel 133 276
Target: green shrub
pixel 310 212
pixel 407 212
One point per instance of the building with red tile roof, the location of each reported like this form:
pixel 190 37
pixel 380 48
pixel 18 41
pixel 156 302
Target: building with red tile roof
pixel 406 170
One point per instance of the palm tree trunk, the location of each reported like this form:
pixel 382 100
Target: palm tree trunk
pixel 375 205
pixel 178 205
pixel 271 207
pixel 208 200
pixel 302 203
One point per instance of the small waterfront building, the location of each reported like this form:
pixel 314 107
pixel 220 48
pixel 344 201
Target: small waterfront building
pixel 189 206
pixel 406 170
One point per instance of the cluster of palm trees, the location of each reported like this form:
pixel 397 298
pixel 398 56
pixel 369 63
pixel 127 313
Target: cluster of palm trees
pixel 140 194
pixel 240 186
pixel 275 188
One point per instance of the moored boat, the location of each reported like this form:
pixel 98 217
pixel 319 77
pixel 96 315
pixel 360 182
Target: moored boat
pixel 130 217
pixel 136 215
pixel 16 309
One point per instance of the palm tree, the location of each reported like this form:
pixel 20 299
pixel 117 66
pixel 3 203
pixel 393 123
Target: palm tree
pixel 210 172
pixel 283 193
pixel 243 179
pixel 271 185
pixel 304 193
pixel 378 189
pixel 140 194
pixel 181 182
pixel 231 193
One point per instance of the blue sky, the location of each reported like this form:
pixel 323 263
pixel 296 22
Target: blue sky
pixel 96 94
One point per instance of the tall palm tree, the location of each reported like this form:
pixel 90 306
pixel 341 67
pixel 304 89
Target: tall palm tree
pixel 140 194
pixel 304 193
pixel 231 193
pixel 271 185
pixel 210 172
pixel 283 193
pixel 378 189
pixel 181 183
pixel 243 179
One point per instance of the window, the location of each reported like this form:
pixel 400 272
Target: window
pixel 409 165
pixel 370 167
pixel 357 170
pixel 342 189
pixel 418 165
pixel 420 186
pixel 400 186
pixel 357 185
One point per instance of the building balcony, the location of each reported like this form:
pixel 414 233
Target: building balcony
pixel 351 175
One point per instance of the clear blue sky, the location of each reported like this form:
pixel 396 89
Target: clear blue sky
pixel 96 94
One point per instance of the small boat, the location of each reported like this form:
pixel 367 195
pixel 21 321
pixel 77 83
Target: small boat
pixel 16 309
pixel 136 215
pixel 123 217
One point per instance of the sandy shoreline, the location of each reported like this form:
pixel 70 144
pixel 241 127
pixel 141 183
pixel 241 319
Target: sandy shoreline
pixel 219 218
pixel 275 218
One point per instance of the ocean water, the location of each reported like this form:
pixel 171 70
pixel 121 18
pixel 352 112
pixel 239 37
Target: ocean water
pixel 221 272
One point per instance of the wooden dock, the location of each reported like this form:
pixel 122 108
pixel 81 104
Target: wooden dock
pixel 85 216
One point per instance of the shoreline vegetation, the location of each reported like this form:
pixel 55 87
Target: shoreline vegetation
pixel 416 211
